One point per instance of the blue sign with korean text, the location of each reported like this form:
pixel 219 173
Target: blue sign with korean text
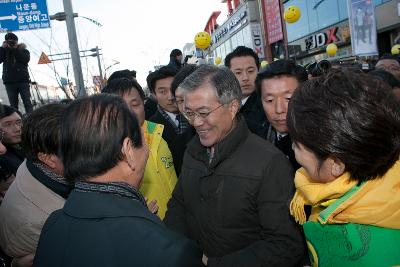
pixel 22 15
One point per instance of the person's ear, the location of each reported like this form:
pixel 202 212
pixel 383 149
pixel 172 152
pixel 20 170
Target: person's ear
pixel 337 167
pixel 234 108
pixel 127 150
pixel 48 159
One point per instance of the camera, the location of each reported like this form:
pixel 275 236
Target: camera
pixel 11 43
pixel 317 69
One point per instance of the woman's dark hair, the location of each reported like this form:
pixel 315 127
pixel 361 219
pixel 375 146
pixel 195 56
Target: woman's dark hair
pixel 181 75
pixel 351 117
pixel 122 86
pixel 92 134
pixel 386 77
pixel 41 131
pixel 242 51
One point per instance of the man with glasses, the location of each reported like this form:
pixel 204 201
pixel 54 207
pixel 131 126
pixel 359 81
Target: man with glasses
pixel 10 125
pixel 234 187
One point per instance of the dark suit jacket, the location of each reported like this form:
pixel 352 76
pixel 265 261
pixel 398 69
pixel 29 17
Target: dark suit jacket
pixel 176 142
pixel 254 114
pixel 107 230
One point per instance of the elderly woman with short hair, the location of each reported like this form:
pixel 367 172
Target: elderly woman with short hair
pixel 346 134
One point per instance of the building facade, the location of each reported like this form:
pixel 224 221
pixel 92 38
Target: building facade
pixel 243 27
pixel 323 22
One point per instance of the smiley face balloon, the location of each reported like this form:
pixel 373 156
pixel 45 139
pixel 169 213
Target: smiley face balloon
pixel 202 40
pixel 396 49
pixel 292 14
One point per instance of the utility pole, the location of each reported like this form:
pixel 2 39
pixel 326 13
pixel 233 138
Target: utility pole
pixel 98 61
pixel 73 46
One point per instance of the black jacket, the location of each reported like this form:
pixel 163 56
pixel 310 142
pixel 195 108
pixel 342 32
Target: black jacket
pixel 236 208
pixel 254 114
pixel 11 160
pixel 15 64
pixel 284 145
pixel 99 229
pixel 150 107
pixel 174 63
pixel 176 142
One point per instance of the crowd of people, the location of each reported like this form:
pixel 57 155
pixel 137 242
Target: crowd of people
pixel 220 166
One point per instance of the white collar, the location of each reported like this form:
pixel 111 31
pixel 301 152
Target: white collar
pixel 244 100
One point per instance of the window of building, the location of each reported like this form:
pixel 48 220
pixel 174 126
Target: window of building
pixel 301 27
pixel 343 14
pixel 317 15
pixel 327 12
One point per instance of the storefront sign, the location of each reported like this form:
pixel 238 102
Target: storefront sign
pixel 257 40
pixel 311 44
pixel 232 25
pixel 322 38
pixel 273 19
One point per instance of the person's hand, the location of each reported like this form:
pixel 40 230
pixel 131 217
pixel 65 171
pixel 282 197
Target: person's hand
pixel 5 44
pixel 25 261
pixel 152 206
pixel 204 260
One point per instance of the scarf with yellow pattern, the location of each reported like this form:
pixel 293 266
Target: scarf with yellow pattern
pixel 376 202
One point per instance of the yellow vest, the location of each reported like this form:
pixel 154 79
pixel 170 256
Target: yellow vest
pixel 159 177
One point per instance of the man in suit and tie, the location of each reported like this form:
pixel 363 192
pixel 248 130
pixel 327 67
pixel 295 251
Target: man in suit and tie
pixel 276 85
pixel 176 127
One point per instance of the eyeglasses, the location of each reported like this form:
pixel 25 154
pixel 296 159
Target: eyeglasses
pixel 191 115
pixel 10 124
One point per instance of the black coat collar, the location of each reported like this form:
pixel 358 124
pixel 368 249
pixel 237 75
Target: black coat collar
pixel 88 205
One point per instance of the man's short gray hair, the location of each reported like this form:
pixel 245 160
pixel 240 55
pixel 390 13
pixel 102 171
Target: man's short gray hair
pixel 227 87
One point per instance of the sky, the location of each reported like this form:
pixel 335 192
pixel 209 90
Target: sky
pixel 137 34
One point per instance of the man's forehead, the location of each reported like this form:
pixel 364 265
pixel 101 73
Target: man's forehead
pixel 388 62
pixel 202 97
pixel 12 117
pixel 164 82
pixel 279 84
pixel 242 62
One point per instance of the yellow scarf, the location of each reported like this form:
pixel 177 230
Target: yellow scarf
pixel 377 202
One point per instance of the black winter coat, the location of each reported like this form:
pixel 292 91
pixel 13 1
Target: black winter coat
pixel 254 114
pixel 236 207
pixel 107 230
pixel 15 64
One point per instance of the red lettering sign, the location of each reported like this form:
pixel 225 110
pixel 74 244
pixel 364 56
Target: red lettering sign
pixel 273 21
pixel 331 33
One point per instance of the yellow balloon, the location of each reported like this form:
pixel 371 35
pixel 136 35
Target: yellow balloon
pixel 202 40
pixel 396 49
pixel 292 14
pixel 218 60
pixel 264 64
pixel 331 49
